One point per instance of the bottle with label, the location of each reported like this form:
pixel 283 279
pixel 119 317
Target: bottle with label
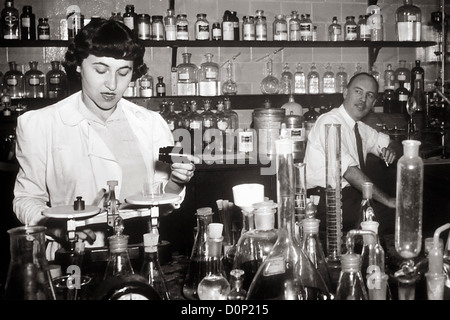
pixel 402 73
pixel 313 80
pixel 172 118
pixel 389 78
pixel 157 32
pixel 146 86
pixel 328 80
pixel 375 23
pixel 27 24
pixel 187 77
pixel 260 26
pixel 170 25
pixel 43 29
pixel 75 21
pixel 160 87
pixel 299 80
pixel 280 28
pixel 286 80
pixel 209 77
pixel 56 81
pixel 10 21
pixel 401 97
pixel 341 79
pixel 183 114
pixel 202 27
pixel 232 114
pixel 195 127
pixel 248 28
pixel 182 27
pixel 363 28
pixel 34 82
pixel 224 125
pixel 335 30
pixel 144 27
pixel 306 28
pixel 408 20
pixel 216 31
pixel 389 101
pixel 227 26
pixel 350 29
pixel 236 28
pixel 13 80
pixel 294 27
pixel 209 119
pixel 417 72
pixel 130 17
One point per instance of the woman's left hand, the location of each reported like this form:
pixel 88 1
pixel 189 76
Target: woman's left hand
pixel 182 173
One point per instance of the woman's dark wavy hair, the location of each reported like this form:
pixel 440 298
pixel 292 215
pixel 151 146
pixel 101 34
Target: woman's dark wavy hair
pixel 105 38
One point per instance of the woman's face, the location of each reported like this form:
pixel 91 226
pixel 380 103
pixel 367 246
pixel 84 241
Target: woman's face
pixel 104 80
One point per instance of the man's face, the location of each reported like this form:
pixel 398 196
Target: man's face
pixel 360 97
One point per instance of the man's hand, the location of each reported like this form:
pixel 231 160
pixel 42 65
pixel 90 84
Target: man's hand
pixel 388 155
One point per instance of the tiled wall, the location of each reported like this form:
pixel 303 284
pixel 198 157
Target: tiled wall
pixel 248 72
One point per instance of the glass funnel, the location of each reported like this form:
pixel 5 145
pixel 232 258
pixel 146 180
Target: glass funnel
pixel 270 84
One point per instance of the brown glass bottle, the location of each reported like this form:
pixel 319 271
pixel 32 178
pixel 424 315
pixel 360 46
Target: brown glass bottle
pixel 27 24
pixel 417 72
pixel 160 87
pixel 401 97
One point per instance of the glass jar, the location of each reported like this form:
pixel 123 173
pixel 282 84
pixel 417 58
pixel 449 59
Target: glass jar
pixel 170 25
pixel 402 73
pixel 34 82
pixel 216 31
pixel 43 29
pixel 280 28
pixel 201 27
pixel 363 28
pixel 306 28
pixel 260 26
pixel 248 28
pixel 13 81
pixel 144 28
pixel 299 80
pixel 328 80
pixel 350 29
pixel 146 86
pixel 313 80
pixel 187 77
pixel 294 27
pixel 157 28
pixel 227 26
pixel 56 81
pixel 182 27
pixel 334 30
pixel 408 19
pixel 209 77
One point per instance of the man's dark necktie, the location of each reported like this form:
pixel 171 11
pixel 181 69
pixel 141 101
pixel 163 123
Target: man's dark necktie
pixel 359 147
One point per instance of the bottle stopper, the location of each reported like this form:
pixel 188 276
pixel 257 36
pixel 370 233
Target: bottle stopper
pixel 215 230
pixel 151 242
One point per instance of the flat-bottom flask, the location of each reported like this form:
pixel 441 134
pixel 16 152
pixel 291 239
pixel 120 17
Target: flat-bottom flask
pixel 286 273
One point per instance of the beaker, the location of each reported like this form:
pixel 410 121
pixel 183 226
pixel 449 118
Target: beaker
pixel 28 274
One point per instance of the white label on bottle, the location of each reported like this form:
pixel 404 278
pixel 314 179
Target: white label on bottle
pixel 182 32
pixel 314 85
pixel 26 22
pixel 146 93
pixel 351 32
pixel 329 85
pixel 208 88
pixel 55 80
pixel 401 77
pixel 418 76
pixel 296 134
pixel 402 97
pixel 202 31
pixel 171 32
pixel 12 82
pixel 222 125
pixel 33 81
pixel 245 141
pixel 129 22
pixel 227 31
pixel 186 89
pixel 211 75
pixel 145 83
pixel 183 75
pixel 249 32
pixel 276 265
pixel 195 125
pixel 409 31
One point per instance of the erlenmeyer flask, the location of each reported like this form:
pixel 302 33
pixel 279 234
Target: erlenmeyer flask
pixel 28 274
pixel 286 273
pixel 270 84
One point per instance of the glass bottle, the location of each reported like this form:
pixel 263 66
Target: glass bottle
pixel 269 84
pixel 172 118
pixel 151 268
pixel 170 25
pixel 374 72
pixel 312 246
pixel 306 28
pixel 280 28
pixel 223 119
pixel 183 114
pixel 146 86
pixel 248 28
pixel 408 20
pixel 358 68
pixel 292 107
pixel 366 210
pixel 310 117
pixel 43 29
pixel 227 26
pixel 286 80
pixel 286 273
pixel 351 284
pixel 229 86
pixel 299 80
pixel 130 17
pixel 402 73
pixel 157 32
pixel 187 77
pixel 419 95
pixel 389 78
pixel 363 28
pixel 160 87
pixel 10 21
pixel 214 285
pixel 389 102
pixel 255 244
pixel 144 27
pixel 216 31
pixel 232 114
pixel 235 20
pixel 182 27
pixel 201 27
pixel 197 262
pixel 260 26
pixel 341 79
pixel 313 80
pixel 28 275
pixel 117 16
pixel 119 263
pixel 209 77
pixel 417 72
pixel 294 27
pixel 34 82
pixel 335 30
pixel 209 123
pixel 376 23
pixel 236 281
pixel 195 127
pixel 350 29
pixel 328 80
pixel 401 98
pixel 408 214
pixel 56 81
pixel 27 24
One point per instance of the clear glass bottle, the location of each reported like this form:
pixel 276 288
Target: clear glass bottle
pixel 341 79
pixel 195 127
pixel 286 273
pixel 170 25
pixel 280 28
pixel 130 17
pixel 157 30
pixel 236 281
pixel 214 285
pixel 182 27
pixel 260 26
pixel 232 114
pixel 172 118
pixel 294 27
pixel 187 77
pixel 151 268
pixel 402 73
pixel 28 275
pixel 255 244
pixel 376 74
pixel 160 87
pixel 209 121
pixel 27 24
pixel 328 80
pixel 351 284
pixel 299 80
pixel 334 30
pixel 229 86
pixel 144 27
pixel 417 72
pixel 313 80
pixel 201 27
pixel 292 107
pixel 197 263
pixel 306 28
pixel 224 125
pixel 183 114
pixel 146 86
pixel 56 81
pixel 269 84
pixel 10 21
pixel 227 26
pixel 248 28
pixel 408 213
pixel 34 82
pixel 389 78
pixel 43 29
pixel 363 28
pixel 209 77
pixel 358 68
pixel 350 29
pixel 286 80
pixel 408 20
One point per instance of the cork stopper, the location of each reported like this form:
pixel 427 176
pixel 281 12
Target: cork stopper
pixel 151 242
pixel 205 211
pixel 350 262
pixel 367 190
pixel 265 215
pixel 214 242
pixel 215 230
pixel 118 243
pixel 310 225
